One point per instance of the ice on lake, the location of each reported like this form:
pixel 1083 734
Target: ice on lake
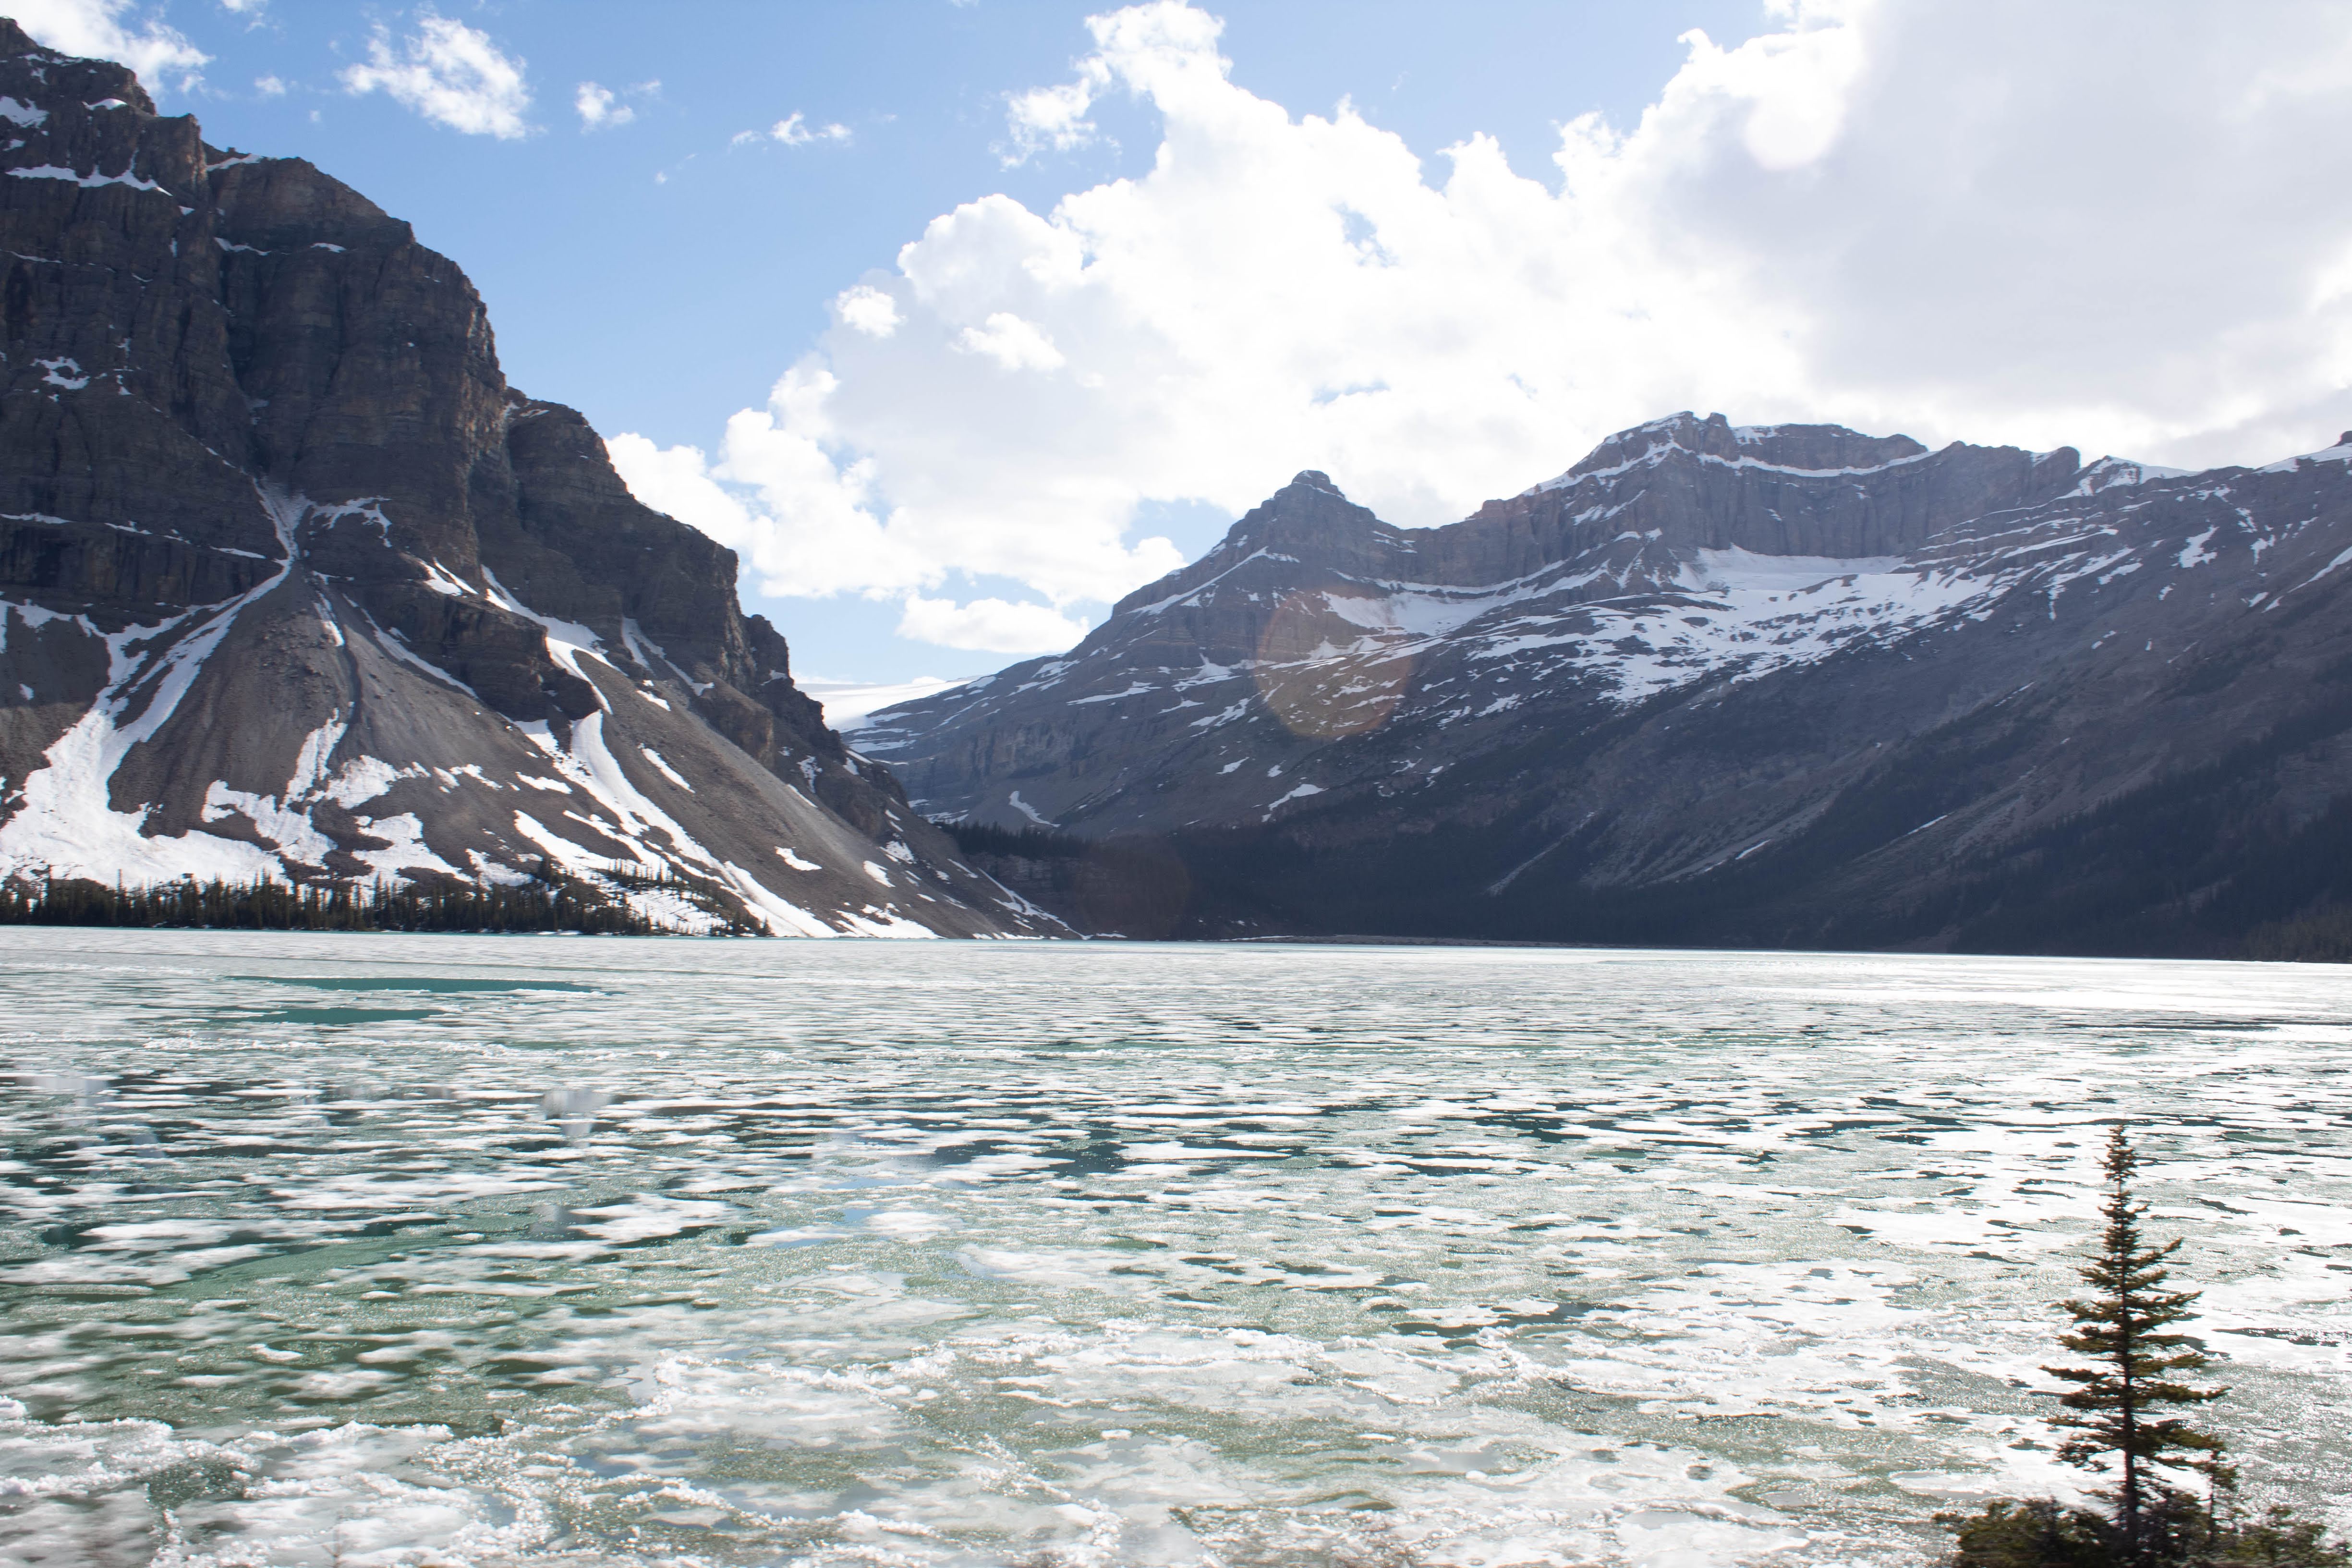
pixel 403 1250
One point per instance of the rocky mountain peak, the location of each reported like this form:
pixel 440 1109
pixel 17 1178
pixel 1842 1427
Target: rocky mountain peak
pixel 1308 520
pixel 293 584
pixel 63 77
pixel 270 204
pixel 1805 449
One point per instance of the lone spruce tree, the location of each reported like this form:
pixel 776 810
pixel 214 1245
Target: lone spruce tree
pixel 2117 1405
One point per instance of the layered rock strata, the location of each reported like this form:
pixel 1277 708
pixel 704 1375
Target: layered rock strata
pixel 293 584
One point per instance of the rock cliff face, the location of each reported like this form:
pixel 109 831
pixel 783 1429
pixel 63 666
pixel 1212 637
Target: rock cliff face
pixel 1784 685
pixel 292 584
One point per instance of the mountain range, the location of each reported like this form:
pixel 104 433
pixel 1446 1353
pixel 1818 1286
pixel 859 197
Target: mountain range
pixel 1783 685
pixel 294 586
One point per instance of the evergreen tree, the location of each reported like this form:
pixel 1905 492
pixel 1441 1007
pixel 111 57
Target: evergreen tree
pixel 2117 1406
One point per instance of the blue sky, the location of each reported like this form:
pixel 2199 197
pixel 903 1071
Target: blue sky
pixel 1022 309
pixel 665 307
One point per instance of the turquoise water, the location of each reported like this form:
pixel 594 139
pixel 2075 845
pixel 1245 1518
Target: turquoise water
pixel 407 1250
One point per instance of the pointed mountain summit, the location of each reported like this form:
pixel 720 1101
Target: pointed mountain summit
pixel 292 584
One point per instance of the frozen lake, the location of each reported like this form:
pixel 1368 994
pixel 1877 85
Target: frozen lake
pixel 395 1250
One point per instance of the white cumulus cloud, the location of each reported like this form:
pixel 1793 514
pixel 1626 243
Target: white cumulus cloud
pixel 1051 118
pixel 449 73
pixel 869 309
pixel 2099 224
pixel 989 626
pixel 600 107
pixel 1011 342
pixel 793 131
pixel 111 30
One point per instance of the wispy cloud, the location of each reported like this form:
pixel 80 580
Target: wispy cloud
pixel 1050 119
pixel 793 131
pixel 449 73
pixel 602 108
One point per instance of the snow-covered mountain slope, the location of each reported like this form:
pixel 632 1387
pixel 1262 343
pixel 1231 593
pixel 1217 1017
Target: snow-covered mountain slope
pixel 293 586
pixel 1675 660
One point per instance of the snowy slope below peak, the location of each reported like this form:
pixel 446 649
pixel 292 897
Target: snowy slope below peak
pixel 403 773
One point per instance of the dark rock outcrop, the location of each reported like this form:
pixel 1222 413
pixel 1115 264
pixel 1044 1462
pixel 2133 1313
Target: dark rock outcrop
pixel 1790 685
pixel 293 584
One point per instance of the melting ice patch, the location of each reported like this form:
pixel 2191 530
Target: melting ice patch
pixel 1449 1255
pixel 331 1495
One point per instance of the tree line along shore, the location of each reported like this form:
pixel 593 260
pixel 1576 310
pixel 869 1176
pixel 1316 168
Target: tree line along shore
pixel 551 900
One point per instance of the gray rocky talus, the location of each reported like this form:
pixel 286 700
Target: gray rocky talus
pixel 1786 684
pixel 292 584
